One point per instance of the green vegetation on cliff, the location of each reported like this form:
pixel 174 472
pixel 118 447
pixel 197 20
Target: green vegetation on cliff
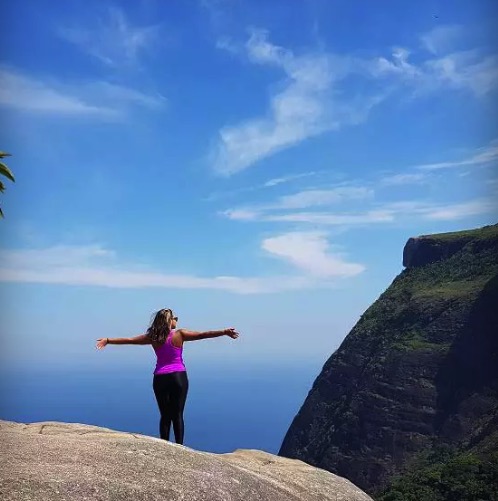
pixel 6 172
pixel 426 291
pixel 447 476
pixel 485 233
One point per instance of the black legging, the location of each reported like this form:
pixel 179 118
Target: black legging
pixel 171 393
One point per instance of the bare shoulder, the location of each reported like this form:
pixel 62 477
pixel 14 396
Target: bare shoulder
pixel 187 335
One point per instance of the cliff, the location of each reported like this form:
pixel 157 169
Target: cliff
pixel 53 461
pixel 417 374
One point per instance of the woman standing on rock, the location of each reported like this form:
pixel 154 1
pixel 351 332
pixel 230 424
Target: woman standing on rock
pixel 170 381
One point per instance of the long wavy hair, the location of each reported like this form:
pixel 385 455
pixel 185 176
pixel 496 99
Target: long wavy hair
pixel 160 326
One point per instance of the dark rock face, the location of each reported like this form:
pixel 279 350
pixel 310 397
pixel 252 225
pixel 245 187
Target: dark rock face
pixel 420 251
pixel 418 370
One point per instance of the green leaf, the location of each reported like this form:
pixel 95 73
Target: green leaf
pixel 3 154
pixel 2 187
pixel 5 171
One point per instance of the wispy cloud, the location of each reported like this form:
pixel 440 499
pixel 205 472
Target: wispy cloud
pixel 304 108
pixel 442 39
pixel 98 99
pixel 285 179
pixel 218 13
pixel 28 94
pixel 313 98
pixel 267 184
pixel 300 207
pixel 396 66
pixel 377 214
pixel 481 156
pixel 225 43
pixel 451 212
pixel 310 252
pixel 112 40
pixel 101 90
pixel 313 198
pixel 468 70
pixel 406 178
pixel 352 218
pixel 300 200
pixel 94 265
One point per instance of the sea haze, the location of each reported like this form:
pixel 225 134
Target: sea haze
pixel 225 410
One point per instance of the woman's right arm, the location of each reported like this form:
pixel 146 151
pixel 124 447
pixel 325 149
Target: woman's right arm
pixel 141 339
pixel 195 336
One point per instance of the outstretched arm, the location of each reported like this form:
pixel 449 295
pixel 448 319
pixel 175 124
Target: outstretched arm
pixel 141 339
pixel 195 336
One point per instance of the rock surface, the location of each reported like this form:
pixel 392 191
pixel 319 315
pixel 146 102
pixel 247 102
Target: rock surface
pixel 53 461
pixel 418 371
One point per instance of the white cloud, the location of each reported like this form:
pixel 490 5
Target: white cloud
pixel 285 179
pixel 397 66
pixel 407 178
pixel 302 109
pixel 310 252
pixel 25 93
pixel 217 11
pixel 267 184
pixel 328 218
pixel 452 212
pixel 300 200
pixel 60 255
pixel 286 209
pixel 464 70
pixel 107 277
pixel 242 214
pixel 113 41
pixel 380 214
pixel 312 198
pixel 323 218
pixel 485 155
pixel 227 44
pixel 313 97
pixel 442 211
pixel 94 265
pixel 98 99
pixel 442 38
pixel 124 95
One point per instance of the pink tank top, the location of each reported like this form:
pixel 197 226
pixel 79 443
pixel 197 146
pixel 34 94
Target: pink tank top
pixel 169 357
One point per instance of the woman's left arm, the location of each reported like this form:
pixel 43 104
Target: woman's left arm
pixel 141 339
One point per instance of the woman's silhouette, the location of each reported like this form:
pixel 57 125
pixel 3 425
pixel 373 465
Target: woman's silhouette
pixel 170 381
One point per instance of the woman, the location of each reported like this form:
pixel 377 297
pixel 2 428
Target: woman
pixel 170 381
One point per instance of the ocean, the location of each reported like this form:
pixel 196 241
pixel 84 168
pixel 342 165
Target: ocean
pixel 225 411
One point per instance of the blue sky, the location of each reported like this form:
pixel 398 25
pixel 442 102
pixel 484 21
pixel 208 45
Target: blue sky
pixel 249 164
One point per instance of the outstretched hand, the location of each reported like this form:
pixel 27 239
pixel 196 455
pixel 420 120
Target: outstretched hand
pixel 232 333
pixel 101 343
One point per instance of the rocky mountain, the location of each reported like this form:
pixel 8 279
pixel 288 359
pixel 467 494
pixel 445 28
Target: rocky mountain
pixel 53 461
pixel 417 375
